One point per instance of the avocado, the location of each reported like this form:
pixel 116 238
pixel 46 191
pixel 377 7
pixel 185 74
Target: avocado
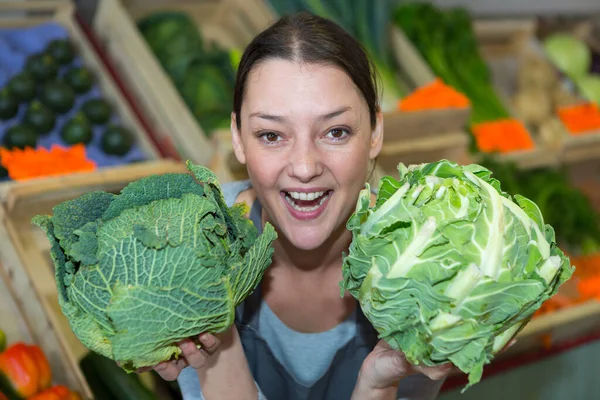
pixel 40 118
pixel 116 140
pixel 58 96
pixel 42 66
pixel 22 86
pixel 97 110
pixel 61 50
pixel 80 79
pixel 20 136
pixel 77 130
pixel 9 105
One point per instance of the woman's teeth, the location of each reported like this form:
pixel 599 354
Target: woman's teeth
pixel 321 196
pixel 306 196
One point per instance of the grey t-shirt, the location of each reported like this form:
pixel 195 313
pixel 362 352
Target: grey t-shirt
pixel 305 356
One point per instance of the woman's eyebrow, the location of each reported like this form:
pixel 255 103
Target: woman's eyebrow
pixel 321 118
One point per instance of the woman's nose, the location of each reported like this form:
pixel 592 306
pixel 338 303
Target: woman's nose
pixel 305 162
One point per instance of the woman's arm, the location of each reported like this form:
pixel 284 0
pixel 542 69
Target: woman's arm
pixel 225 374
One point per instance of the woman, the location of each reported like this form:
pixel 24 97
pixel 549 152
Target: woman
pixel 307 124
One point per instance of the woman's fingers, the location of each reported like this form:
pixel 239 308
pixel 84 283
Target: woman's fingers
pixel 210 343
pixel 170 370
pixel 194 356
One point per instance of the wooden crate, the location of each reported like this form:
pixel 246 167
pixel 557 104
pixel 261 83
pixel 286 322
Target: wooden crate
pixel 27 267
pixel 429 123
pixel 30 13
pixel 229 23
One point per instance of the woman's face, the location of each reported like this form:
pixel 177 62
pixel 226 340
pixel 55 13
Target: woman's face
pixel 307 141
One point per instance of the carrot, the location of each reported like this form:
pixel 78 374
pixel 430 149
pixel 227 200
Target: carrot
pixel 580 118
pixel 28 163
pixel 502 136
pixel 436 95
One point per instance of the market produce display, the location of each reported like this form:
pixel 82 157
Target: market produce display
pixel 25 374
pixel 164 260
pixel 368 22
pixel 447 266
pixel 202 72
pixel 49 97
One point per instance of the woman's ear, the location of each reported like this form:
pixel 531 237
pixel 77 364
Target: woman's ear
pixel 236 140
pixel 377 137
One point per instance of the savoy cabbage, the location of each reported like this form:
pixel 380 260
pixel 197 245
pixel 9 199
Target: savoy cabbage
pixel 163 260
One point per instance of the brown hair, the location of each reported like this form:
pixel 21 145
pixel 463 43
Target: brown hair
pixel 311 39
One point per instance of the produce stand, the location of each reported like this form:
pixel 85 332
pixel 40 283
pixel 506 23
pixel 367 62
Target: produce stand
pixel 26 266
pixel 59 15
pixel 114 24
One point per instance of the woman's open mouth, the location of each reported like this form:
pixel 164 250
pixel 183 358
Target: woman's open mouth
pixel 306 205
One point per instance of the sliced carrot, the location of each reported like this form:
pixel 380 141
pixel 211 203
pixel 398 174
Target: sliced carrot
pixel 580 118
pixel 436 95
pixel 29 163
pixel 503 136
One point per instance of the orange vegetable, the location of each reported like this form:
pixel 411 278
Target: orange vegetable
pixel 28 163
pixel 436 95
pixel 25 370
pixel 3 396
pixel 57 392
pixel 45 377
pixel 580 118
pixel 502 136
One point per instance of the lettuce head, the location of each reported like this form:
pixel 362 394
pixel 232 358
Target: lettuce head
pixel 447 267
pixel 163 260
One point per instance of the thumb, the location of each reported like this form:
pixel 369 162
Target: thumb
pixel 390 364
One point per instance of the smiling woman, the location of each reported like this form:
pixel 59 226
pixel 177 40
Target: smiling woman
pixel 307 125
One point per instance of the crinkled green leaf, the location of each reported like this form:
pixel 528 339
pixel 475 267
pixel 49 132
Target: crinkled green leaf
pixel 164 260
pixel 447 266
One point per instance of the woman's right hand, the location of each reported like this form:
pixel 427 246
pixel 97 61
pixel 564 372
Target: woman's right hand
pixel 190 356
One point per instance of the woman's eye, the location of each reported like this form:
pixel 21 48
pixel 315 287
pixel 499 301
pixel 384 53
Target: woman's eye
pixel 271 137
pixel 338 133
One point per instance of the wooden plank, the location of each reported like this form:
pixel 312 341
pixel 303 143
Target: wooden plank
pixel 25 259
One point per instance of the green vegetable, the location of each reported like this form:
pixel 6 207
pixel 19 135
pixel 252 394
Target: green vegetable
pixel 43 67
pixel 569 54
pixel 97 110
pixel 77 130
pixel 447 266
pixel 109 382
pixel 58 96
pixel 116 140
pixel 164 260
pixel 39 117
pixel 80 79
pixel 22 86
pixel 589 86
pixel 9 105
pixel 445 39
pixel 208 94
pixel 565 207
pixel 61 50
pixel 19 136
pixel 2 341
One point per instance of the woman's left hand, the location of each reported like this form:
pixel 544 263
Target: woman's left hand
pixel 384 368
